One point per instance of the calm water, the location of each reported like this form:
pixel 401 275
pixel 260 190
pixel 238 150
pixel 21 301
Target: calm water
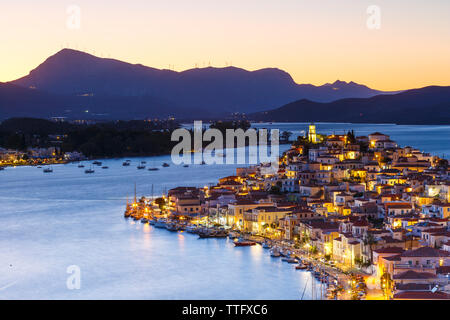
pixel 51 221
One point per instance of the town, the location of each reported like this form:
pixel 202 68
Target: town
pixel 367 217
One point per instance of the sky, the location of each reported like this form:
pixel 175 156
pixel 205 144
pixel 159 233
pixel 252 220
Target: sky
pixel 385 44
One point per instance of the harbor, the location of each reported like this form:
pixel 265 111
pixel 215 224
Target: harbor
pixel 71 218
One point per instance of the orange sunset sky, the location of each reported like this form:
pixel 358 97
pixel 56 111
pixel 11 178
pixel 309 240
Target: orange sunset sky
pixel 315 41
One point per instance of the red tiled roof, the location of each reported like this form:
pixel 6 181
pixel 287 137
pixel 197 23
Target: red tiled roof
pixel 426 252
pixel 411 275
pixel 390 250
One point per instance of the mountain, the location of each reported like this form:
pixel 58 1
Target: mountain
pixel 16 101
pixel 429 105
pixel 197 92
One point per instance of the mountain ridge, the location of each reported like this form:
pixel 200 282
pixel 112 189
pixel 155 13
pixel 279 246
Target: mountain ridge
pixel 428 105
pixel 211 90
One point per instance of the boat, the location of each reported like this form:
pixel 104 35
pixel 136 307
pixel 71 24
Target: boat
pixel 172 226
pixel 140 167
pixel 2 168
pixel 160 223
pixel 144 220
pixel 153 169
pixel 48 170
pixel 244 243
pixel 233 234
pixel 144 162
pixel 105 167
pixel 89 170
pixel 81 165
pixel 152 221
pixel 265 245
pixel 126 163
pixel 186 165
pixel 291 260
pixel 98 163
pixel 165 165
pixel 275 252
pixel 192 228
pixel 300 267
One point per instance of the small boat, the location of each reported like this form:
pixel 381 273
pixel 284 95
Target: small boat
pixel 144 220
pixel 48 170
pixel 89 170
pixel 275 252
pixel 172 226
pixel 153 169
pixel 300 267
pixel 81 165
pixel 126 163
pixel 291 260
pixel 143 162
pixel 97 163
pixel 266 245
pixel 105 167
pixel 141 167
pixel 186 165
pixel 2 168
pixel 233 235
pixel 152 221
pixel 244 243
pixel 160 224
pixel 165 165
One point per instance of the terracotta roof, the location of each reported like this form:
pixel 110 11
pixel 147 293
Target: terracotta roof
pixel 411 275
pixel 426 252
pixel 390 250
pixel 443 270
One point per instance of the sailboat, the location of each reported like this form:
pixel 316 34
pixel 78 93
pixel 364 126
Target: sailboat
pixel 90 170
pixel 48 170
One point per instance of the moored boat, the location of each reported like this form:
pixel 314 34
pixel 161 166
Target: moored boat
pixel 165 165
pixel 48 170
pixel 275 252
pixel 244 243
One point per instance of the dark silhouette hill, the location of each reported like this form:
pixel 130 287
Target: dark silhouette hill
pixel 197 92
pixel 429 105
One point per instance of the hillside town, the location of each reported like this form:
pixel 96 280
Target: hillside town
pixel 361 207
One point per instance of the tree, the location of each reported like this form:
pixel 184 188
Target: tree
pixel 286 135
pixel 370 241
pixel 160 202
